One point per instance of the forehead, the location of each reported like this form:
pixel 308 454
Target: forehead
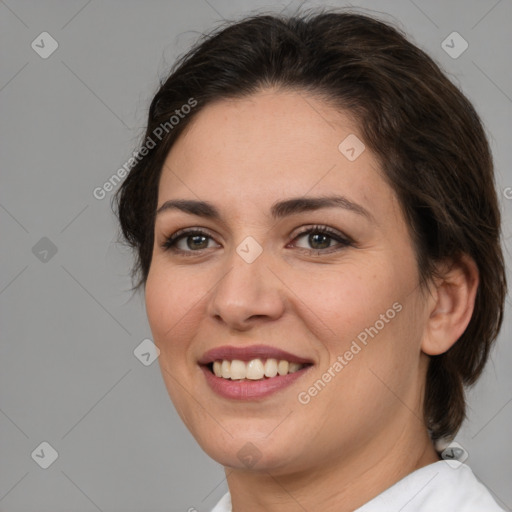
pixel 271 145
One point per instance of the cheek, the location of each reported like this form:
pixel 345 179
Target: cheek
pixel 176 302
pixel 169 299
pixel 343 301
pixel 159 298
pixel 170 302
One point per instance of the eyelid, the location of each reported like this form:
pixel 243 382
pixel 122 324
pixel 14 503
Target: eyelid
pixel 190 231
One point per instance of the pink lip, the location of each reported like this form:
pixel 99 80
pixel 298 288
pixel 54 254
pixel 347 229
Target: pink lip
pixel 250 389
pixel 247 353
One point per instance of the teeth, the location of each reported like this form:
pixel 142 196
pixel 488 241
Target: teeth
pixel 238 370
pixel 256 369
pixel 282 367
pixel 225 369
pixel 270 367
pixel 293 367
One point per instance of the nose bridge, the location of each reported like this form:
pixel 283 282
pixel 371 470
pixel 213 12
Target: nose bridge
pixel 247 289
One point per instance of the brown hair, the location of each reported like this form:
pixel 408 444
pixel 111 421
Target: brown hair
pixel 426 134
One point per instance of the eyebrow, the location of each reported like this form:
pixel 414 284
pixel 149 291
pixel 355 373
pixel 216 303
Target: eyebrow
pixel 278 210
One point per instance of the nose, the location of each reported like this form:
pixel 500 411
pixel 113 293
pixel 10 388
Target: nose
pixel 249 293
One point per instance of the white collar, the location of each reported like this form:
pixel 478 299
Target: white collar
pixel 438 487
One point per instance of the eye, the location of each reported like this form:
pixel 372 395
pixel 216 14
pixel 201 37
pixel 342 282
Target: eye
pixel 187 241
pixel 320 238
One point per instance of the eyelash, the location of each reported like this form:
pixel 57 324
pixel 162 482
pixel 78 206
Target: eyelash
pixel 170 243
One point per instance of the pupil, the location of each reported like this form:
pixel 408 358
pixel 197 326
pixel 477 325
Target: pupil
pixel 313 239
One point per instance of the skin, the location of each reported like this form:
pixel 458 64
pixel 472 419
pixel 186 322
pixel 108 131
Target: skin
pixel 365 430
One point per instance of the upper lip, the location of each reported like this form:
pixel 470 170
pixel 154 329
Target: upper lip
pixel 230 353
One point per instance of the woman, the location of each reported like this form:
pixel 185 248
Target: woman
pixel 317 233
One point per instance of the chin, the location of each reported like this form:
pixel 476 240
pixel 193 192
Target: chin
pixel 253 452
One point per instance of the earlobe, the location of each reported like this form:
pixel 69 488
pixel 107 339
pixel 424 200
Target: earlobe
pixel 452 305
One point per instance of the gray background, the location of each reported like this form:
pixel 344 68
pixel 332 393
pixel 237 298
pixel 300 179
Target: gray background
pixel 69 325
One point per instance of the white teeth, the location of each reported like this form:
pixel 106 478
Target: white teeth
pixel 256 369
pixel 282 367
pixel 238 370
pixel 270 367
pixel 225 369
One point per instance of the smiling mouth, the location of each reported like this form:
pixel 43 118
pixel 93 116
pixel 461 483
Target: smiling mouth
pixel 254 370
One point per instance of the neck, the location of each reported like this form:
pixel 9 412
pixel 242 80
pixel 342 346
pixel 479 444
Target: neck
pixel 342 484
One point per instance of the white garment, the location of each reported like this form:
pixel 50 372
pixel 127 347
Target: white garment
pixel 437 487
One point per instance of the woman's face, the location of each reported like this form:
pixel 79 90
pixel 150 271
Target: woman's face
pixel 343 305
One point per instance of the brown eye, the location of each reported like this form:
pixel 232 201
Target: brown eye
pixel 322 238
pixel 196 242
pixel 319 240
pixel 188 241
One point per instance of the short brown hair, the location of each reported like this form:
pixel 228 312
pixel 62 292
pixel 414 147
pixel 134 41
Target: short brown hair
pixel 428 138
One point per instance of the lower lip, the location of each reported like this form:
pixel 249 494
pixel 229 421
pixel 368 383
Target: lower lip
pixel 250 389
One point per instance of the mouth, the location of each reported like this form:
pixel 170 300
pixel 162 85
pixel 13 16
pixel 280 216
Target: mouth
pixel 251 372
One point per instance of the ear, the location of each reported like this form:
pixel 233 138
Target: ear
pixel 450 305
